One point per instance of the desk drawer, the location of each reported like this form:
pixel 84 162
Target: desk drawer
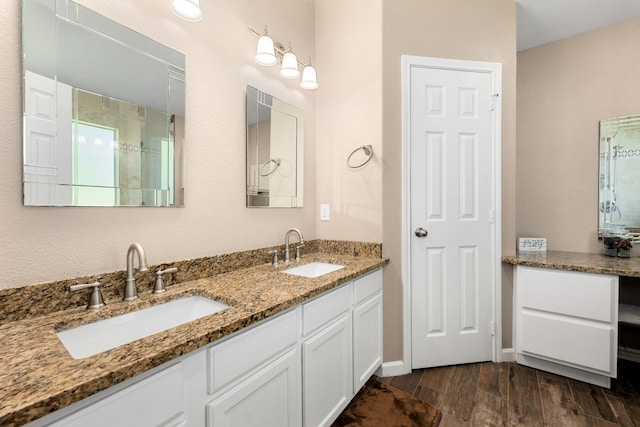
pixel 577 294
pixel 567 341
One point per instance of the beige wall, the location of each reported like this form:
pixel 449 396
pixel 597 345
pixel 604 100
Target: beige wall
pixel 564 89
pixel 43 244
pixel 358 49
pixel 484 32
pixel 349 115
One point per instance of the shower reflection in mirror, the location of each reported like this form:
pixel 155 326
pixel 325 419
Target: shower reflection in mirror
pixel 274 152
pixel 104 111
pixel 619 199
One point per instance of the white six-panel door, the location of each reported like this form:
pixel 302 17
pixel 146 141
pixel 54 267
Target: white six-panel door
pixel 453 216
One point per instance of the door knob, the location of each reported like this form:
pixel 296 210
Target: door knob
pixel 421 232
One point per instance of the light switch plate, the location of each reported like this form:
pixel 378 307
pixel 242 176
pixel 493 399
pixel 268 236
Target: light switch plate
pixel 325 214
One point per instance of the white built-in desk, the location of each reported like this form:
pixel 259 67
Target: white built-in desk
pixel 567 311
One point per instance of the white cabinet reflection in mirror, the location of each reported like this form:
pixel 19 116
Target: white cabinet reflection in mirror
pixel 103 111
pixel 275 152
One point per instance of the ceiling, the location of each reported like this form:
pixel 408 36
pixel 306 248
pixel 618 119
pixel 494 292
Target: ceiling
pixel 545 21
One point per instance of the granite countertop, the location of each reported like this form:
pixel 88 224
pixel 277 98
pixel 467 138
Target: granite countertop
pixel 38 376
pixel 590 263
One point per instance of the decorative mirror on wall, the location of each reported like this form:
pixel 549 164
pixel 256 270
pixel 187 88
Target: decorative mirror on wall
pixel 275 148
pixel 619 198
pixel 103 111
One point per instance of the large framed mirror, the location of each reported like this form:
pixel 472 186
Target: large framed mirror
pixel 275 152
pixel 104 111
pixel 619 175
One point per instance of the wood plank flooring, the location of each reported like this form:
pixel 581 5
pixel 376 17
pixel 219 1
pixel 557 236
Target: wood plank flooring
pixel 508 394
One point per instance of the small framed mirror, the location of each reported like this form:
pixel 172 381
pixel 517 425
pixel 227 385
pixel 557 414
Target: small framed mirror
pixel 275 152
pixel 104 111
pixel 619 175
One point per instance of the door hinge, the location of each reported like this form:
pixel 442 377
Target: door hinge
pixel 492 216
pixel 492 102
pixel 492 328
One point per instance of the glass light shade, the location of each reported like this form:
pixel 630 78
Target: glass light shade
pixel 187 9
pixel 289 66
pixel 309 78
pixel 265 54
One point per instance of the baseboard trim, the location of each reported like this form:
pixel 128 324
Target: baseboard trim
pixel 508 355
pixel 399 367
pixel 393 369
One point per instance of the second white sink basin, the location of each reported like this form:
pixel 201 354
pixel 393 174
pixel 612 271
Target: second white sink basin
pixel 94 338
pixel 313 269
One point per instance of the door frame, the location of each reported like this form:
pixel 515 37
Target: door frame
pixel 495 70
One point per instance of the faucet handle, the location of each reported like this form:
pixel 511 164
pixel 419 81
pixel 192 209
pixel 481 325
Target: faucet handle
pixel 95 299
pixel 160 282
pixel 298 251
pixel 275 256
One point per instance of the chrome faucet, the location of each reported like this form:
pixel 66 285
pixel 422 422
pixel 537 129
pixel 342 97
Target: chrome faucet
pixel 130 289
pixel 287 257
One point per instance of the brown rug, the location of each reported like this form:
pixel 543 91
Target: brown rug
pixel 379 404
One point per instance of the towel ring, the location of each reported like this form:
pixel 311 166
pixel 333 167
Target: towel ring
pixel 267 164
pixel 368 151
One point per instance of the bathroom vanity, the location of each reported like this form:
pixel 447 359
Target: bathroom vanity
pixel 294 349
pixel 567 312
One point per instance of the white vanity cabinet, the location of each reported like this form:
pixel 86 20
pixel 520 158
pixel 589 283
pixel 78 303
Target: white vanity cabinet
pixel 567 323
pixel 298 368
pixel 327 357
pixel 341 348
pixel 367 328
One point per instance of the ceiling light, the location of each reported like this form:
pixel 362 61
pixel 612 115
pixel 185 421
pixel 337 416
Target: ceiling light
pixel 187 9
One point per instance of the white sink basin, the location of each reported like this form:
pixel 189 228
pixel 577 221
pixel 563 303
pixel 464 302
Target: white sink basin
pixel 94 338
pixel 313 269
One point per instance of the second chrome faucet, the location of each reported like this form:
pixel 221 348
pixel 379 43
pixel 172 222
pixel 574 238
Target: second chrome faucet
pixel 287 255
pixel 130 288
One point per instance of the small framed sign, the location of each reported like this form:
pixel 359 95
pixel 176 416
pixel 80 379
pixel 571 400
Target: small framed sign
pixel 532 244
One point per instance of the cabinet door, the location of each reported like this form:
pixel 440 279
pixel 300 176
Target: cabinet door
pixel 367 340
pixel 327 366
pixel 269 398
pixel 155 401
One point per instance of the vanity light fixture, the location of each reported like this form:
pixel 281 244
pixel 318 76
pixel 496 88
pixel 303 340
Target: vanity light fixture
pixel 289 65
pixel 269 52
pixel 188 10
pixel 309 79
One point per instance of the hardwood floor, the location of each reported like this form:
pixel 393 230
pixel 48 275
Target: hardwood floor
pixel 508 394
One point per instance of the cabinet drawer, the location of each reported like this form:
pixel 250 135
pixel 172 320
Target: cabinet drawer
pixel 239 355
pixel 131 406
pixel 366 286
pixel 325 308
pixel 567 341
pixel 585 295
